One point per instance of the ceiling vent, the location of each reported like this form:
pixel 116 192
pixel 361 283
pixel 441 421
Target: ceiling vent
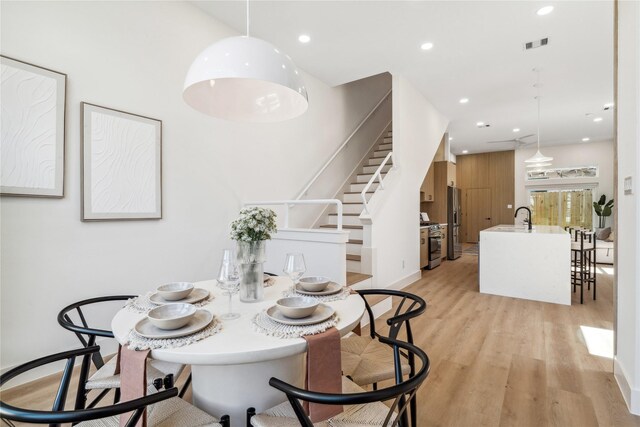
pixel 536 43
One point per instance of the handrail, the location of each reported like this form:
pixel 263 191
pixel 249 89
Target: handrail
pixel 378 174
pixel 287 203
pixel 344 144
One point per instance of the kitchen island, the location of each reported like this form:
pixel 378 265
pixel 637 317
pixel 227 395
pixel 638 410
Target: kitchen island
pixel 528 264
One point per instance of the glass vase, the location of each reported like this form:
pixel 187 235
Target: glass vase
pixel 251 259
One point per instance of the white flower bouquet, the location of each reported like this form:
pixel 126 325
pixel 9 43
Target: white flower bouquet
pixel 254 224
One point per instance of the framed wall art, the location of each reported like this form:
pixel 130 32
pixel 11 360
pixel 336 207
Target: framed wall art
pixel 121 165
pixel 32 135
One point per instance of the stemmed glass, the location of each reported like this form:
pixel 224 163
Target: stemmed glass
pixel 294 267
pixel 229 280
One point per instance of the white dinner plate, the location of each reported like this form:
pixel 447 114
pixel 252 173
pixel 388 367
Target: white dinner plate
pixel 197 295
pixel 322 313
pixel 332 288
pixel 199 321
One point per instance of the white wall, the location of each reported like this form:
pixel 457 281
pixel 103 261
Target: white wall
pixel 395 234
pixel 133 56
pixel 588 154
pixel 627 358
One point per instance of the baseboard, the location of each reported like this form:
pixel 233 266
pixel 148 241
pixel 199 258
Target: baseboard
pixel 631 396
pixel 406 281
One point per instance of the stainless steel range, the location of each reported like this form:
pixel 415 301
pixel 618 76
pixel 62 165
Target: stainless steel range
pixel 435 244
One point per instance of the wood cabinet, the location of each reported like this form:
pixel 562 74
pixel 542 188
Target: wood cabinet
pixel 424 247
pixel 428 186
pixel 444 176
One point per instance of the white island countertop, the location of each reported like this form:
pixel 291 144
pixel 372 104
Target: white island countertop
pixel 530 264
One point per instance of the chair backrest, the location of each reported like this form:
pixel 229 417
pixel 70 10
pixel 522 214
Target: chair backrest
pixel 85 333
pixel 409 306
pixel 58 415
pixel 402 393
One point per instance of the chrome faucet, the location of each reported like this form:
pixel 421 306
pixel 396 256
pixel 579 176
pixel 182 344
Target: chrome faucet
pixel 528 219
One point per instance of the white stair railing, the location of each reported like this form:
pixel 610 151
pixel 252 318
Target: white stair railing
pixel 378 175
pixel 290 203
pixel 344 144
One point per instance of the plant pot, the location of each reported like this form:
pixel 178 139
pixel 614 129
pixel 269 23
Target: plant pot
pixel 251 258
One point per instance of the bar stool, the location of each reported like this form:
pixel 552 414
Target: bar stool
pixel 583 260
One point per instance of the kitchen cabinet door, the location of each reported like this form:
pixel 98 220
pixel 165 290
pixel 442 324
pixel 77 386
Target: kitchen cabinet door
pixel 427 192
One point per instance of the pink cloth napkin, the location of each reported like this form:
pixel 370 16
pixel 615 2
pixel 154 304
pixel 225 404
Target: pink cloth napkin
pixel 132 367
pixel 324 372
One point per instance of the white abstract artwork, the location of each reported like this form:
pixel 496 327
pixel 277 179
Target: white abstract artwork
pixel 121 165
pixel 31 130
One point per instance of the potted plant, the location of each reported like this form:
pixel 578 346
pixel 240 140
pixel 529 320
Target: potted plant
pixel 603 210
pixel 250 230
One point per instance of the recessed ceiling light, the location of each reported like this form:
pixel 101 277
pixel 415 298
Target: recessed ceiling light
pixel 516 129
pixel 597 119
pixel 465 151
pixel 545 10
pixel 426 46
pixel 464 100
pixel 480 124
pixel 585 139
pixel 303 38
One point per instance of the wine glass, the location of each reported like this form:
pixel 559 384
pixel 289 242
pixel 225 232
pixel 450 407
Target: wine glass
pixel 294 267
pixel 229 280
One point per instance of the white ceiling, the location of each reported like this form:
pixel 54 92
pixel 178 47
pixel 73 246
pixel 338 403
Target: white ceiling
pixel 478 54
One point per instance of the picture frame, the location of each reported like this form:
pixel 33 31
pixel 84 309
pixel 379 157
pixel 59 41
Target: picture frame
pixel 32 140
pixel 121 165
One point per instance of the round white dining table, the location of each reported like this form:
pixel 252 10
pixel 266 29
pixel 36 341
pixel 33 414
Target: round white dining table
pixel 231 369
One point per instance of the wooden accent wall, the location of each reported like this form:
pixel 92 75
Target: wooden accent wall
pixel 493 171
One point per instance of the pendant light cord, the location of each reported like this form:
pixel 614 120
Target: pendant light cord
pixel 247 18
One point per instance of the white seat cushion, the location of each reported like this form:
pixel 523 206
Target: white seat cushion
pixel 105 377
pixel 367 361
pixel 367 415
pixel 168 413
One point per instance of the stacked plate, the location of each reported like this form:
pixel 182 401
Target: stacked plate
pixel 318 286
pixel 175 316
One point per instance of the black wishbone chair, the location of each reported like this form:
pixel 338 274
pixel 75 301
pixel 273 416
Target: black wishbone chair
pixel 365 359
pixel 360 407
pixel 105 378
pixel 163 407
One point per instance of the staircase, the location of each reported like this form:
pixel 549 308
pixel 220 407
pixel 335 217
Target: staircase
pixel 352 203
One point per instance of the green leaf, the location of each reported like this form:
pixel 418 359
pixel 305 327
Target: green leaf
pixel 606 211
pixel 597 208
pixel 603 198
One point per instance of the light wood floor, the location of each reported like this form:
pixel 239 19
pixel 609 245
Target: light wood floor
pixel 499 361
pixel 496 361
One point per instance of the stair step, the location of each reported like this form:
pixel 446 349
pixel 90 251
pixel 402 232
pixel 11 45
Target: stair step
pixel 358 192
pixel 348 227
pixel 353 278
pixel 385 146
pixel 371 169
pixel 344 214
pixel 359 186
pixel 353 257
pixel 355 241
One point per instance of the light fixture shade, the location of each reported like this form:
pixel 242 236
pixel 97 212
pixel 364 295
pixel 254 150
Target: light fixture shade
pixel 538 165
pixel 245 79
pixel 538 158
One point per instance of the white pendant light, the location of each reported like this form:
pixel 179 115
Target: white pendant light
pixel 539 158
pixel 245 79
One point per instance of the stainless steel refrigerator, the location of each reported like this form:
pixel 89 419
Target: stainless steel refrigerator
pixel 454 248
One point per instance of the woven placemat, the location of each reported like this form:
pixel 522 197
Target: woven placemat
pixel 142 303
pixel 265 325
pixel 138 342
pixel 338 296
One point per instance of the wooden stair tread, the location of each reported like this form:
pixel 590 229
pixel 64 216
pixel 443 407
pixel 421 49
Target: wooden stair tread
pixel 345 214
pixel 358 192
pixel 355 242
pixel 351 203
pixel 351 257
pixel 353 278
pixel 349 227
